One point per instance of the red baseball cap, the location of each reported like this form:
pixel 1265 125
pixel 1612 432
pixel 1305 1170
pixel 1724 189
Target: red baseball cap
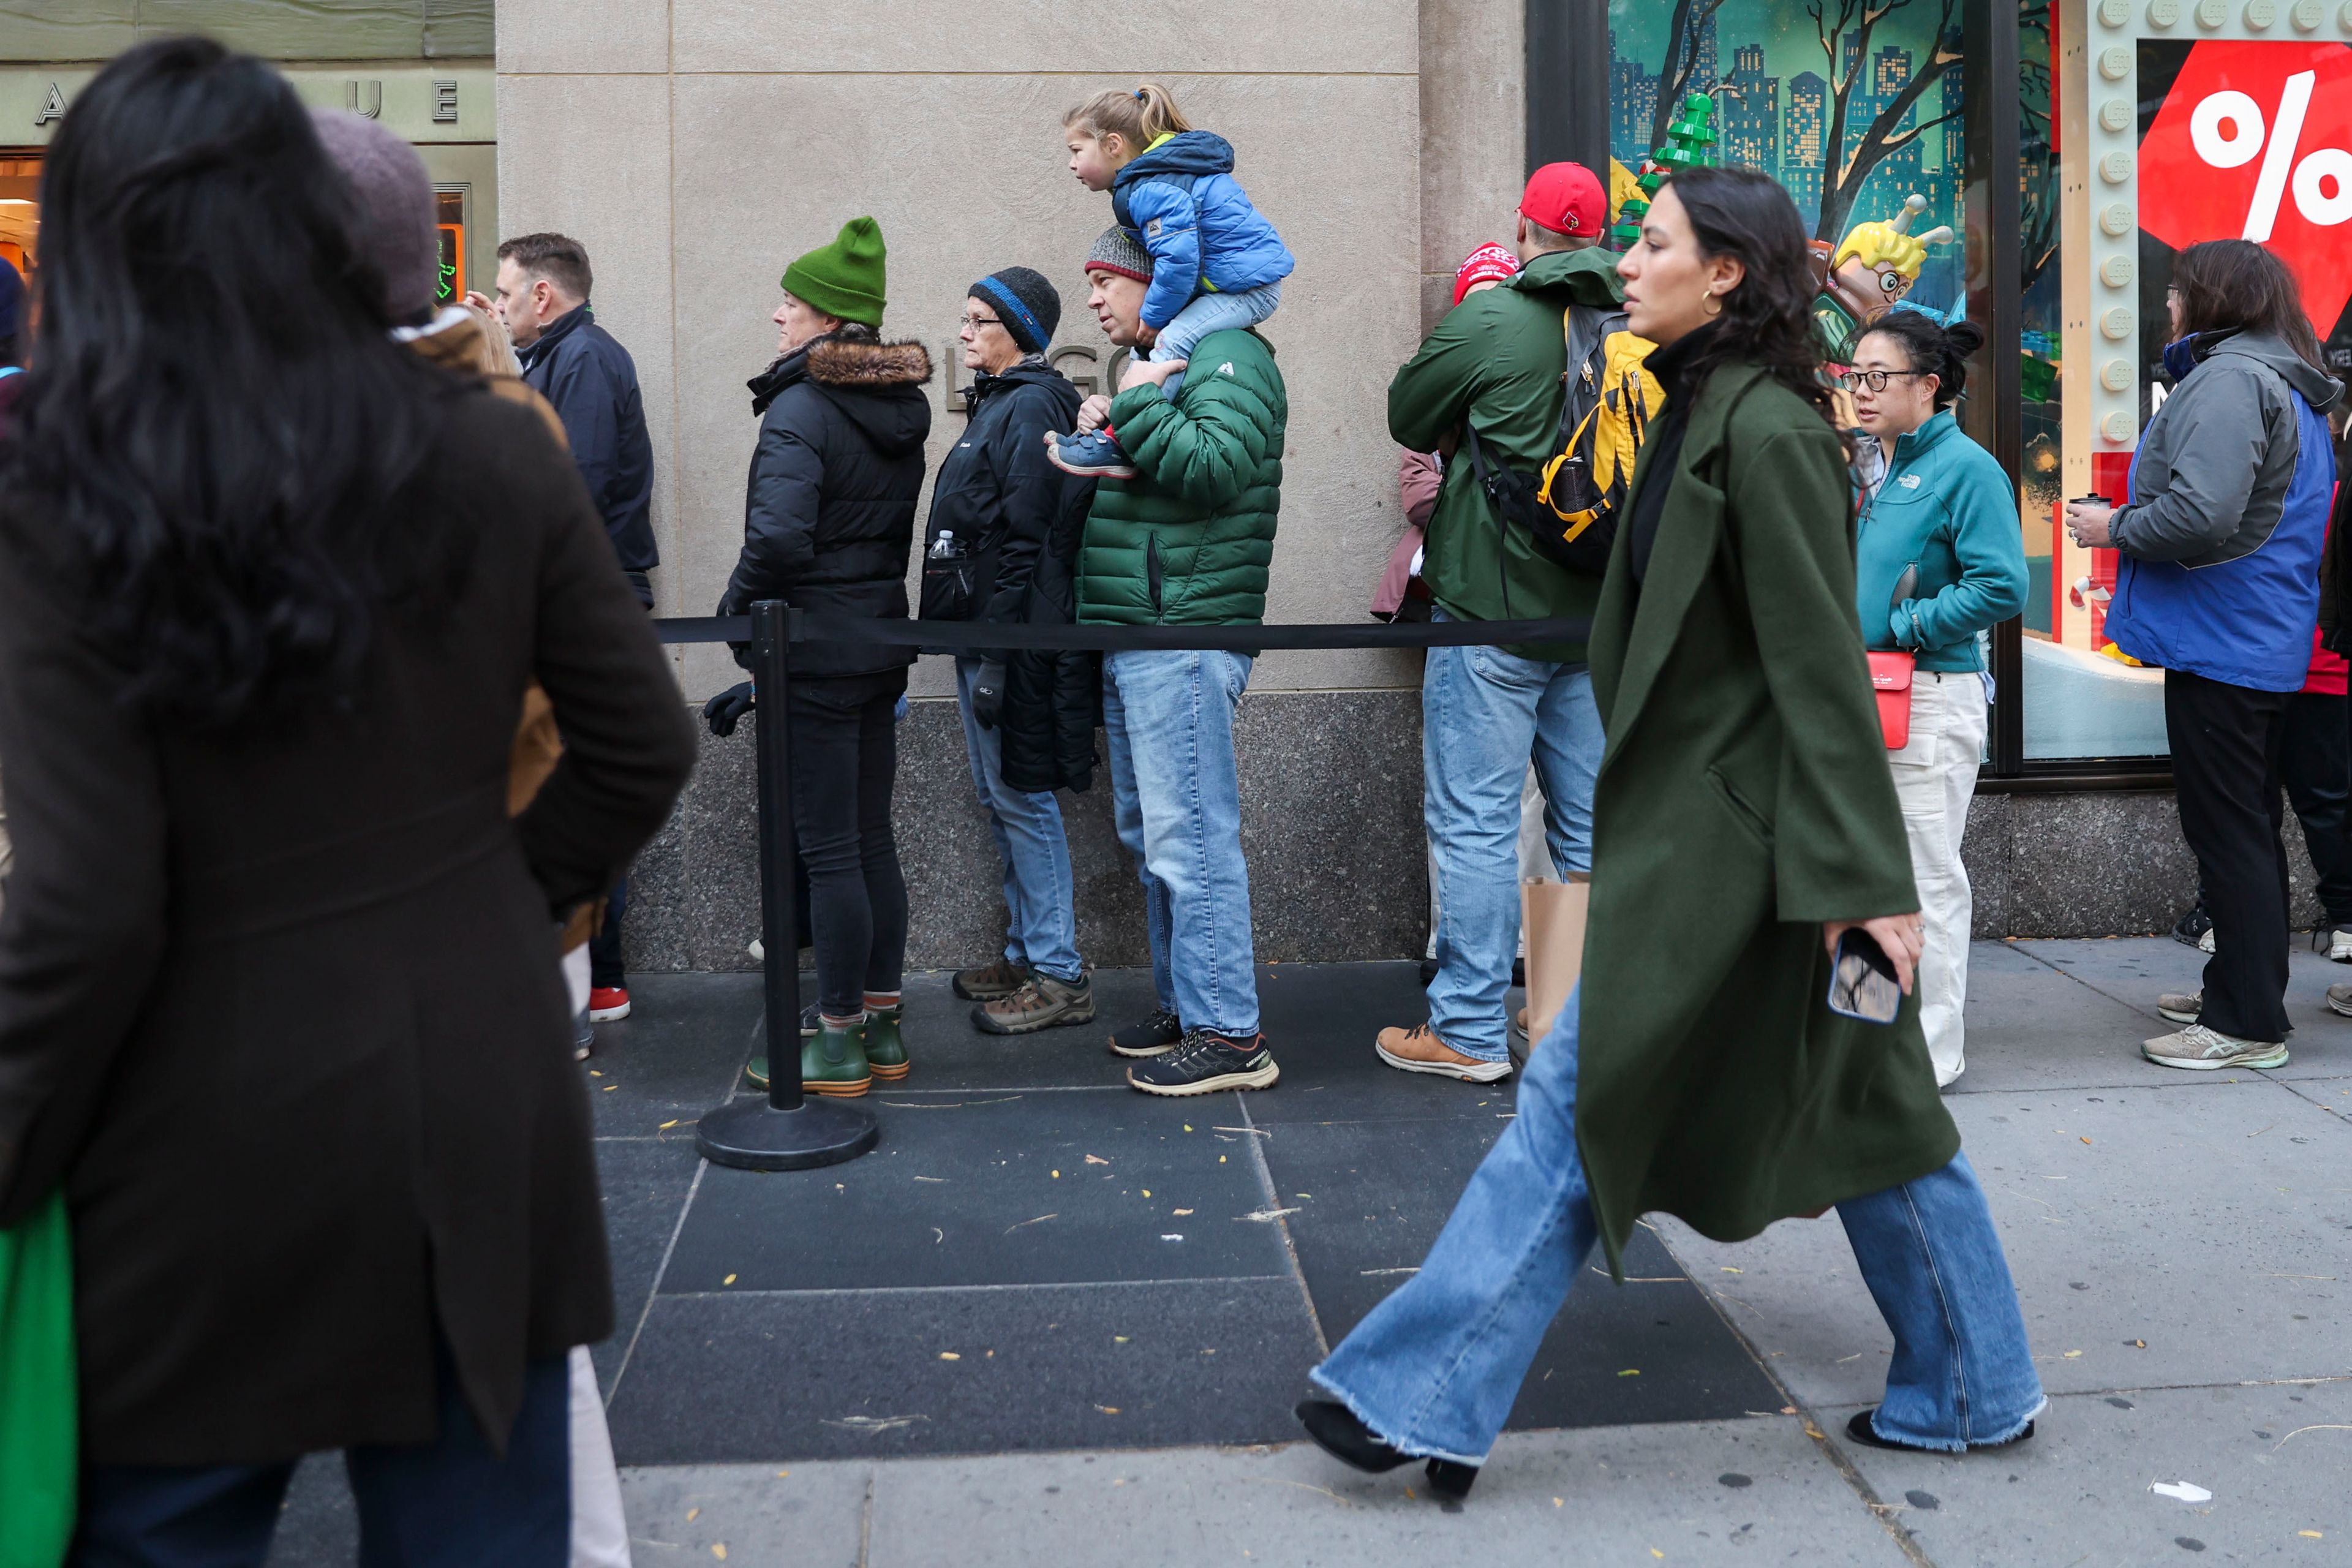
pixel 1490 263
pixel 1566 198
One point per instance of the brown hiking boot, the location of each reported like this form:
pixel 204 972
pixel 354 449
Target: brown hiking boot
pixel 1418 1049
pixel 987 982
pixel 1043 1003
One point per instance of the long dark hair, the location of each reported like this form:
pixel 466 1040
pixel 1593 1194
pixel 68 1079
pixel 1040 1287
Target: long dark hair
pixel 1767 319
pixel 1933 348
pixel 210 447
pixel 2234 285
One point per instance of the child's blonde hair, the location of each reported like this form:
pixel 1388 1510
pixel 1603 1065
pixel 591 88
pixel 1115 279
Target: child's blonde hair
pixel 1137 118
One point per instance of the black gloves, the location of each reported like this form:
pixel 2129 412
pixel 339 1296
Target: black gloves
pixel 988 695
pixel 726 711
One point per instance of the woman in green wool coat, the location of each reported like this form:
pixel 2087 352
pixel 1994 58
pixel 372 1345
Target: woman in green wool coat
pixel 1745 797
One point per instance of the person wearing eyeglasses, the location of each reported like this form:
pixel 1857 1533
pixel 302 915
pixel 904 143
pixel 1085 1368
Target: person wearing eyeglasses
pixel 1938 561
pixel 1002 546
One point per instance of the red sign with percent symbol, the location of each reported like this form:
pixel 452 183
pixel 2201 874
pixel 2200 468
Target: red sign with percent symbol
pixel 2254 142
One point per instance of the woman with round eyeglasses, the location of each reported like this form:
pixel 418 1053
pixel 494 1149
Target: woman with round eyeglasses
pixel 1938 560
pixel 1002 546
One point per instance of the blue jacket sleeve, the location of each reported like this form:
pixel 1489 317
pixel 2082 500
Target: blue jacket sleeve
pixel 585 400
pixel 1171 225
pixel 1993 578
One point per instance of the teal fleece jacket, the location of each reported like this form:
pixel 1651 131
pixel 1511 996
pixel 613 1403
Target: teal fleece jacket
pixel 1946 508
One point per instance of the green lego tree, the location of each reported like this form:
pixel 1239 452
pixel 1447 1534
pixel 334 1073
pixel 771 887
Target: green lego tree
pixel 1689 144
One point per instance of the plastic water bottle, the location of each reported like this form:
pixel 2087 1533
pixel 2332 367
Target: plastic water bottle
pixel 943 548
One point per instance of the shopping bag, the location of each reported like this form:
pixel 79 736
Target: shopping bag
pixel 1552 917
pixel 38 1442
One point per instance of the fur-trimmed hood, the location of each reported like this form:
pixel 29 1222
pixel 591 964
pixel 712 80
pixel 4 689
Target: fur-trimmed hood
pixel 871 383
pixel 841 359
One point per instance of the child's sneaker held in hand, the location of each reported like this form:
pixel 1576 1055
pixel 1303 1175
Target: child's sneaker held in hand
pixel 1095 457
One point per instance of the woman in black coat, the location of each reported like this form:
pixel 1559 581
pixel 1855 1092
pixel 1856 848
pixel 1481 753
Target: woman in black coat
pixel 1002 546
pixel 828 521
pixel 279 1006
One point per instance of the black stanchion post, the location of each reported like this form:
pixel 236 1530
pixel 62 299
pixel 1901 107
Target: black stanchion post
pixel 787 1131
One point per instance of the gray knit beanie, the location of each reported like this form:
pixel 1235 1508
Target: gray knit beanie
pixel 1117 251
pixel 392 200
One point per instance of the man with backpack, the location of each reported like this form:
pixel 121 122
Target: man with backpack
pixel 1488 389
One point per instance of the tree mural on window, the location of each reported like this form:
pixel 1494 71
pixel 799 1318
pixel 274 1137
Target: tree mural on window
pixel 1844 28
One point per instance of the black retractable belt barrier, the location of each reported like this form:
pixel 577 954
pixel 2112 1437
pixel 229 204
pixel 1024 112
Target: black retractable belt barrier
pixel 788 1131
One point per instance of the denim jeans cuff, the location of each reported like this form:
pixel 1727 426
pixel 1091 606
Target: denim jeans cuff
pixel 1373 1424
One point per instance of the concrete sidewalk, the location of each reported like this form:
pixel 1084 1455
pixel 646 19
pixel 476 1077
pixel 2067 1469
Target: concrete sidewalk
pixel 2180 1243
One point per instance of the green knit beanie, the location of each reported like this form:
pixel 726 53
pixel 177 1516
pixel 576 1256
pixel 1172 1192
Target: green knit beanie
pixel 844 279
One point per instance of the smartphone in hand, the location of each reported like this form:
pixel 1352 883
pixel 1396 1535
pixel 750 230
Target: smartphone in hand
pixel 1862 980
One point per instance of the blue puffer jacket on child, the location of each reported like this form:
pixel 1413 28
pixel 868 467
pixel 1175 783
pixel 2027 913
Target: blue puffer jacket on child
pixel 1180 201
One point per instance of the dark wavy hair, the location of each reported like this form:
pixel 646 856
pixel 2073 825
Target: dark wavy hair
pixel 2234 285
pixel 211 447
pixel 1767 319
pixel 1931 347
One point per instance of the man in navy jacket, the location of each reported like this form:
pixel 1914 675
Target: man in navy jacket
pixel 543 286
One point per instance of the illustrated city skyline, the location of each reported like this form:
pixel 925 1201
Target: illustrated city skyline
pixel 1777 121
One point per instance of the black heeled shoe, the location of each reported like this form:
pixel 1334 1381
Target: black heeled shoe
pixel 1861 1431
pixel 1448 1479
pixel 1338 1433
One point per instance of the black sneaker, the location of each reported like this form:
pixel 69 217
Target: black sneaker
pixel 1204 1063
pixel 1149 1037
pixel 2191 928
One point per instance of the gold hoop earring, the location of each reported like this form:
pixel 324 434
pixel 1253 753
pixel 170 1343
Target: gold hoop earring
pixel 1714 305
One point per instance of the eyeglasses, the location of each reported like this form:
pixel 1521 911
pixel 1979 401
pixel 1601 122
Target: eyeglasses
pixel 976 322
pixel 1876 380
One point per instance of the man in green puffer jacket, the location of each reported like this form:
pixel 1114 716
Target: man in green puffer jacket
pixel 1187 542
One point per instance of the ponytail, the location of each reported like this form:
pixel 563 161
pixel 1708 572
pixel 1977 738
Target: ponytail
pixel 1138 118
pixel 1932 349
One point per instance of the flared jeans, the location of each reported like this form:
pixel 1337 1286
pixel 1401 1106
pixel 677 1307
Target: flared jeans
pixel 1435 1369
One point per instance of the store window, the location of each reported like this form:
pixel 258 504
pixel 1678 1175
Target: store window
pixel 20 212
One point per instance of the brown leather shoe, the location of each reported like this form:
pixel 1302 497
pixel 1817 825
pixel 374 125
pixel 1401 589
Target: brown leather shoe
pixel 1418 1049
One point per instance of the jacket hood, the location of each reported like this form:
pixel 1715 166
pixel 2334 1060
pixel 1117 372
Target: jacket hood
pixel 873 384
pixel 2318 388
pixel 1187 153
pixel 1585 277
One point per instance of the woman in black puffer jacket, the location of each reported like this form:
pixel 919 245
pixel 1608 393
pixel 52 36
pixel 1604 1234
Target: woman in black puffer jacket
pixel 828 521
pixel 1002 546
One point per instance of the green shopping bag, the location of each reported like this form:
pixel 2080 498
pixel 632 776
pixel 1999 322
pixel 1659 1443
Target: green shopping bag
pixel 38 1443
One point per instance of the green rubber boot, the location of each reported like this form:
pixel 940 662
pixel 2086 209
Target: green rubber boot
pixel 834 1062
pixel 885 1047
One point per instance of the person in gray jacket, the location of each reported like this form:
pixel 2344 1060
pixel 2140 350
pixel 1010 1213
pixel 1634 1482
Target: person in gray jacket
pixel 2218 585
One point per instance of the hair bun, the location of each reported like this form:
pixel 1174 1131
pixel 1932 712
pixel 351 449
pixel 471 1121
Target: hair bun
pixel 1964 337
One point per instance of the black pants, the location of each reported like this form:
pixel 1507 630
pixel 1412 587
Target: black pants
pixel 2315 766
pixel 2225 770
pixel 845 759
pixel 449 1503
pixel 605 966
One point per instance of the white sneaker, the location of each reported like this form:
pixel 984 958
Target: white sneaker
pixel 2339 1000
pixel 2200 1050
pixel 759 950
pixel 2205 943
pixel 2339 946
pixel 2181 1007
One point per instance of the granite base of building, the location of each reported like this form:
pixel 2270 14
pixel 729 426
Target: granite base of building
pixel 1331 823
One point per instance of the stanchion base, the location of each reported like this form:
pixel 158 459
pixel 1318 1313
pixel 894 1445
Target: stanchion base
pixel 752 1135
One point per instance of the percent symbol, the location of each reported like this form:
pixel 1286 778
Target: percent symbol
pixel 2226 128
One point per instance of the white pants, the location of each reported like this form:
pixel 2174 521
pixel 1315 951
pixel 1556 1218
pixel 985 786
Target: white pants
pixel 1934 777
pixel 600 1536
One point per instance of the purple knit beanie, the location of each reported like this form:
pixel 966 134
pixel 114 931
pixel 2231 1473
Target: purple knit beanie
pixel 392 222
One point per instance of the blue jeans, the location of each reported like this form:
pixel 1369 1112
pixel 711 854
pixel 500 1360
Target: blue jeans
pixel 1483 714
pixel 1435 1368
pixel 449 1503
pixel 1170 720
pixel 1038 886
pixel 1209 313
